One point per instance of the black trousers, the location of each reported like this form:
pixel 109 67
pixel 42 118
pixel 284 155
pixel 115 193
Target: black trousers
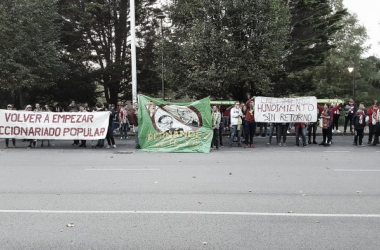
pixel 347 119
pixel 371 132
pixel 221 129
pixel 312 128
pixel 215 138
pixel 325 133
pixel 250 130
pixel 282 131
pixel 359 133
pixel 376 134
pixel 336 121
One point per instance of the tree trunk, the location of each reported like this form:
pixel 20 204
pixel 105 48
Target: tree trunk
pixel 23 101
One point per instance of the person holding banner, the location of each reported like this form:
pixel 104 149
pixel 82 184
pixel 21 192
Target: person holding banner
pixel 32 143
pixel 99 108
pixel 109 137
pixel 236 121
pixel 82 142
pixel 10 107
pixel 250 124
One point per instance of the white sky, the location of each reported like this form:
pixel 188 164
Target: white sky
pixel 368 15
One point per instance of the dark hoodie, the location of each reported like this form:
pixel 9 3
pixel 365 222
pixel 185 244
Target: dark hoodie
pixel 359 120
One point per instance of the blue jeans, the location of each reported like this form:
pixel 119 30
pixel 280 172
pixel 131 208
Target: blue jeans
pixel 233 130
pixel 301 130
pixel 124 130
pixel 271 130
pixel 137 142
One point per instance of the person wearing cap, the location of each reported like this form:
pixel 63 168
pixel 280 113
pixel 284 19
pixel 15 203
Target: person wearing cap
pixel 371 126
pixel 10 107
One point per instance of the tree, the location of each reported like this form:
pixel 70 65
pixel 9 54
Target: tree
pixel 332 77
pixel 29 46
pixel 96 32
pixel 223 48
pixel 312 28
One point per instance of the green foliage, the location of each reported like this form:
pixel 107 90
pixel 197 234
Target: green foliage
pixel 313 26
pixel 29 45
pixel 96 32
pixel 223 48
pixel 332 77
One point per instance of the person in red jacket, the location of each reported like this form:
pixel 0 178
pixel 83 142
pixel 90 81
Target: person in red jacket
pixel 250 124
pixel 332 110
pixel 370 124
pixel 376 122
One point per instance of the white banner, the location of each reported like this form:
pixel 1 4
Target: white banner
pixel 280 110
pixel 49 125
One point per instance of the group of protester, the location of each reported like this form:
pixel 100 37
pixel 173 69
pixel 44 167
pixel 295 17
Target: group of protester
pixel 240 121
pixel 121 116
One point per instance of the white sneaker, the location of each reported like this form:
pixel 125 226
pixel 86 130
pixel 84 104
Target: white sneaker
pixel 121 138
pixel 333 131
pixel 114 146
pixel 338 131
pixel 108 146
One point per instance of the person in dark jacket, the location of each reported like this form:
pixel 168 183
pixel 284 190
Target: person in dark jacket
pixel 350 110
pixel 359 125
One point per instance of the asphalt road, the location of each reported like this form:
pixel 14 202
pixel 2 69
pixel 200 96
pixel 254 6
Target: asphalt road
pixel 269 197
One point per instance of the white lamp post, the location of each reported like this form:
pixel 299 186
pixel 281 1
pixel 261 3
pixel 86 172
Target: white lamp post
pixel 351 69
pixel 162 16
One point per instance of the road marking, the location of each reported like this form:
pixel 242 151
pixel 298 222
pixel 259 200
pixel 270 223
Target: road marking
pixel 288 151
pixel 122 169
pixel 357 170
pixel 336 151
pixel 191 213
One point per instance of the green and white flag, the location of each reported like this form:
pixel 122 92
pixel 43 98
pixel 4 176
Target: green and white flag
pixel 174 127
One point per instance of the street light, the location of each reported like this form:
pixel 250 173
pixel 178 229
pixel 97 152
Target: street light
pixel 162 16
pixel 351 69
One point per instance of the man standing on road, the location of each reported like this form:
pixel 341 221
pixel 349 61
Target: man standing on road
pixel 350 109
pixel 216 117
pixel 236 121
